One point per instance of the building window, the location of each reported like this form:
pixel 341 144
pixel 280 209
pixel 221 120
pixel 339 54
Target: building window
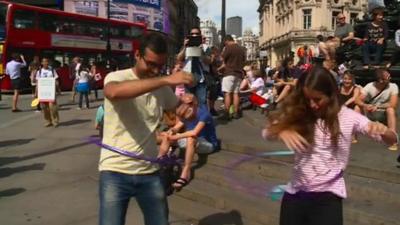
pixel 307 19
pixel 334 20
pixel 353 18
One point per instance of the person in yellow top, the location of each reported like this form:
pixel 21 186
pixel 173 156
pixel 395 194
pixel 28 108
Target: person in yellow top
pixel 134 101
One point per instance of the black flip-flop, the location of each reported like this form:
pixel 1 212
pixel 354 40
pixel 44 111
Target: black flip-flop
pixel 182 182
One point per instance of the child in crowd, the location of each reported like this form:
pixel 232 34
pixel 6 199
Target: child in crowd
pixel 375 36
pixel 98 124
pixel 313 124
pixel 255 85
pixel 83 85
pixel 179 89
pixel 199 135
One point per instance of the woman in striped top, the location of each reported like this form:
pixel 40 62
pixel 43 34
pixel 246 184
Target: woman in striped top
pixel 312 123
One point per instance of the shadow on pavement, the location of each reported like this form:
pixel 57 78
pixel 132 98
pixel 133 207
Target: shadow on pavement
pixel 8 160
pixel 73 122
pixel 11 192
pixel 15 142
pixel 5 107
pixel 229 218
pixel 63 108
pixel 5 172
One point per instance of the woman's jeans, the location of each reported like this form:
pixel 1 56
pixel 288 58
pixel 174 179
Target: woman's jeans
pixel 116 189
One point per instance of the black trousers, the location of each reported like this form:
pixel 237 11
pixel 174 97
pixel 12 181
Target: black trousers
pixel 86 95
pixel 311 208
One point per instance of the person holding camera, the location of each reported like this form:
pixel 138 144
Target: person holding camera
pixel 199 57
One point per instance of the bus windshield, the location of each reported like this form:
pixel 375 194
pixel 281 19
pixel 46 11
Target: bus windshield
pixel 3 16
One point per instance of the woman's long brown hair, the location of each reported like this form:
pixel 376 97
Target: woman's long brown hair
pixel 295 112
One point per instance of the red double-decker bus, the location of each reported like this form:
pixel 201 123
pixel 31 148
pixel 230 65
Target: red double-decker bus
pixel 60 36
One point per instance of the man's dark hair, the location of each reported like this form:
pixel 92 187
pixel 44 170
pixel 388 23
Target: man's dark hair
pixel 15 56
pixel 379 73
pixel 197 28
pixel 154 42
pixel 320 37
pixel 228 38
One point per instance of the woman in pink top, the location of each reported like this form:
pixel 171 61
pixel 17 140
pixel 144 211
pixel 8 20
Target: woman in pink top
pixel 313 124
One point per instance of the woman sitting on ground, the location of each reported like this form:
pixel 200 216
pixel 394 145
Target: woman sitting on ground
pixel 286 80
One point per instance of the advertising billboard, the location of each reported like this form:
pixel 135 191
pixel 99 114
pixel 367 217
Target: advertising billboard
pixel 153 13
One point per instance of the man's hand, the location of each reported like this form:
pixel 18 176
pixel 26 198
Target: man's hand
pixel 294 141
pixel 380 41
pixel 370 108
pixel 186 42
pixel 180 77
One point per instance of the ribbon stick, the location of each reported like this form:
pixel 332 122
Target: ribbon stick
pixel 164 160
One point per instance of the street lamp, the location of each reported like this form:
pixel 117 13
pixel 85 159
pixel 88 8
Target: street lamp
pixel 108 46
pixel 223 21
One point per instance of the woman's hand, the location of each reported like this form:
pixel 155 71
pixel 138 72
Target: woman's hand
pixel 376 128
pixel 294 141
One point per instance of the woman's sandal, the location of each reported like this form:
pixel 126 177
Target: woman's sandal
pixel 180 183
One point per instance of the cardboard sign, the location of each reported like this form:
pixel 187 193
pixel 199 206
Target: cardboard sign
pixel 47 89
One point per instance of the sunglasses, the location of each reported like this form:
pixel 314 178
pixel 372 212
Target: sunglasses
pixel 194 33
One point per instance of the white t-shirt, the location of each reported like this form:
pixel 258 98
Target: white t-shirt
pixel 131 124
pixel 370 91
pixel 397 37
pixel 46 73
pixel 83 76
pixel 259 85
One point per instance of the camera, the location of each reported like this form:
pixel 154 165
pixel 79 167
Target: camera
pixel 194 41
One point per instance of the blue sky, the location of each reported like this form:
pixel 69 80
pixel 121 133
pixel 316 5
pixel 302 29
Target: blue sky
pixel 247 9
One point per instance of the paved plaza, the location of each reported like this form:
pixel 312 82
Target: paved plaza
pixel 49 175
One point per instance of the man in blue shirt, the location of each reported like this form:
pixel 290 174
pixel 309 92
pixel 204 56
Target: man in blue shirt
pixel 13 69
pixel 199 136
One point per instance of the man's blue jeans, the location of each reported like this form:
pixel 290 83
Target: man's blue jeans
pixel 116 189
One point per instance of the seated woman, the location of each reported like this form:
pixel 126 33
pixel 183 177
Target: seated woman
pixel 348 94
pixel 286 80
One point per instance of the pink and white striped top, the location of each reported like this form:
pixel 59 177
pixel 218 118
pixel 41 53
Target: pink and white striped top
pixel 320 169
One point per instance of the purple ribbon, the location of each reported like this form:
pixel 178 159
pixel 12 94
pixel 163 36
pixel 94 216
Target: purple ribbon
pixel 271 190
pixel 169 159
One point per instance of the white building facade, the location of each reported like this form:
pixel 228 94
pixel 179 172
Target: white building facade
pixel 250 42
pixel 209 31
pixel 287 25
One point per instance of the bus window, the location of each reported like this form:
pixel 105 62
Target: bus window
pixel 24 19
pixel 136 32
pixel 3 16
pixel 48 22
pixel 120 32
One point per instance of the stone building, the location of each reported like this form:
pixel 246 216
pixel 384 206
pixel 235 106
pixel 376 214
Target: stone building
pixel 209 31
pixel 250 42
pixel 286 25
pixel 234 26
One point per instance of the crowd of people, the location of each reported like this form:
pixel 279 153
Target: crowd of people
pixel 315 107
pixel 314 110
pixel 84 78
